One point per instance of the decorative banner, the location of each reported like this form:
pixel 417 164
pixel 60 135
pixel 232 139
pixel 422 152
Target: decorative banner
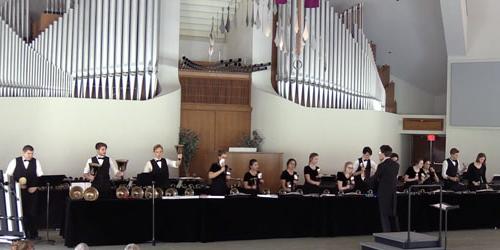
pixel 311 4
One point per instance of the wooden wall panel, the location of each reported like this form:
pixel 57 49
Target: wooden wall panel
pixel 215 88
pixel 423 124
pixel 230 127
pixel 219 126
pixel 203 123
pixel 270 164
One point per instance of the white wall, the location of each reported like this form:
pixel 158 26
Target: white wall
pixel 473 140
pixel 455 21
pixel 483 35
pixel 64 131
pixel 337 135
pixel 415 101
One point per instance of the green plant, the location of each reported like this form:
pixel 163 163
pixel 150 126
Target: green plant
pixel 190 140
pixel 252 141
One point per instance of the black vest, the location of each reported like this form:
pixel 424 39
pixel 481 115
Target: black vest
pixel 368 167
pixel 160 175
pixel 452 169
pixel 102 178
pixel 29 173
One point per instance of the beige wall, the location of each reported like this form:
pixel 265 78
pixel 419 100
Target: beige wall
pixel 337 135
pixel 64 131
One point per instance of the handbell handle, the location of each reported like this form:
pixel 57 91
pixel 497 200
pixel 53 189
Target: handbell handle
pixel 179 148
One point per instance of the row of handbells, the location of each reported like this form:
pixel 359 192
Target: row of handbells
pixel 123 192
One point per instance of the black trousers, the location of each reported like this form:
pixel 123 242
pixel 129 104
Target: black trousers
pixel 30 222
pixel 388 214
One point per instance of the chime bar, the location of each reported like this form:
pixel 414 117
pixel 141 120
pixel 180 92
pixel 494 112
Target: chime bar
pixel 324 58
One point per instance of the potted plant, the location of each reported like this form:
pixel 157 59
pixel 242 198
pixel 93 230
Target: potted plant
pixel 252 141
pixel 190 140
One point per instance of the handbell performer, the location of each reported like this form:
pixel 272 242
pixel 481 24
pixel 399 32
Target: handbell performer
pixel 26 170
pixel 158 166
pixel 100 177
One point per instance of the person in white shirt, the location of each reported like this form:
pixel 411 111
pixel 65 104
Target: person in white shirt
pixel 158 166
pixel 365 164
pixel 101 177
pixel 27 169
pixel 451 171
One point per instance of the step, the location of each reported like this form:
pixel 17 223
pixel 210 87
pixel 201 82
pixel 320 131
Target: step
pixel 380 246
pixel 398 239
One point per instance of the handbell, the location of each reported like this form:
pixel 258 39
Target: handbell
pixel 188 192
pixel 157 192
pixel 91 194
pixel 122 165
pixel 266 191
pixel 137 193
pixel 173 192
pixel 234 191
pixel 93 168
pixel 76 193
pixel 122 192
pixel 22 182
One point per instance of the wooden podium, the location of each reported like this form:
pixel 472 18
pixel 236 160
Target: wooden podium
pixel 270 164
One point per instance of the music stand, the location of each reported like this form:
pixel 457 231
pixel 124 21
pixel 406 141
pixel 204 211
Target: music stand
pixel 445 207
pixel 144 180
pixel 50 181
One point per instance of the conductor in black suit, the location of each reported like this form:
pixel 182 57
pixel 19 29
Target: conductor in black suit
pixel 386 180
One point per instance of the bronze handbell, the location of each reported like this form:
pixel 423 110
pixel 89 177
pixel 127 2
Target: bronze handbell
pixel 122 192
pixel 91 194
pixel 76 193
pixel 93 168
pixel 137 193
pixel 158 193
pixel 122 165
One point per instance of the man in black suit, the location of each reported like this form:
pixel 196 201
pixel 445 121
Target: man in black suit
pixel 386 180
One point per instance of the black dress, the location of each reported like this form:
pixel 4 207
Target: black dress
pixel 431 177
pixel 345 181
pixel 411 174
pixel 477 175
pixel 289 179
pixel 313 174
pixel 252 181
pixel 218 186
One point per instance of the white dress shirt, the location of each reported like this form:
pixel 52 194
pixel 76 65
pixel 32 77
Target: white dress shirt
pixel 365 162
pixel 12 166
pixel 148 168
pixel 112 165
pixel 461 168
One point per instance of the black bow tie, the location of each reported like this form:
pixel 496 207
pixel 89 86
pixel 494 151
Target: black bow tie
pixel 158 160
pixel 27 160
pixel 100 158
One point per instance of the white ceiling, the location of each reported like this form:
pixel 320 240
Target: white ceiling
pixel 409 36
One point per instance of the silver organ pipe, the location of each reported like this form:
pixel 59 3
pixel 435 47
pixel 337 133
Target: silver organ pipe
pixel 106 49
pixel 336 68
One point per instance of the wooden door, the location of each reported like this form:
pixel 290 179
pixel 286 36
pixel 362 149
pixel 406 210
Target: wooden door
pixel 421 149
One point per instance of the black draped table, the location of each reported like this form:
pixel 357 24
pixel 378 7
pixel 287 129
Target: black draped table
pixel 109 222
